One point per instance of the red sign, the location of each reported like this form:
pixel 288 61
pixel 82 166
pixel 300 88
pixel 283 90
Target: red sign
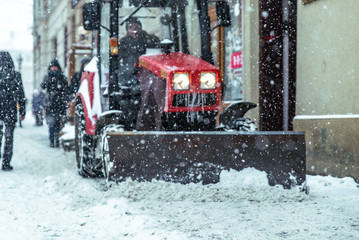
pixel 236 60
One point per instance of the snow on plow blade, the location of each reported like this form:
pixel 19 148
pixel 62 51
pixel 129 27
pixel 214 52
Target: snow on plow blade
pixel 194 157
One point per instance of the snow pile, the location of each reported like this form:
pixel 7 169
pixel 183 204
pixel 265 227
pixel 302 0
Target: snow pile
pixel 249 177
pixel 68 132
pixel 67 139
pixel 340 187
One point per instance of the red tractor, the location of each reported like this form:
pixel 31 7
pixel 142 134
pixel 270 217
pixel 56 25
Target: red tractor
pixel 172 133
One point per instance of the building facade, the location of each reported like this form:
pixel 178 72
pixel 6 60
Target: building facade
pixel 328 85
pixel 321 69
pixel 58 33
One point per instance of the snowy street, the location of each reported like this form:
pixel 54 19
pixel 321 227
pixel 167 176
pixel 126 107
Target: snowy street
pixel 45 198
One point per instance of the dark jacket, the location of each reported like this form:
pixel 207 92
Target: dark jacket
pixel 130 49
pixel 11 90
pixel 55 84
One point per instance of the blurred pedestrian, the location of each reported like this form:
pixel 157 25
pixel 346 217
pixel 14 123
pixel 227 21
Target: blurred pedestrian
pixel 11 94
pixel 55 84
pixel 37 108
pixel 74 87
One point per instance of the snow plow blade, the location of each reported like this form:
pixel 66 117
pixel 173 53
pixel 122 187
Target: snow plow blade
pixel 186 157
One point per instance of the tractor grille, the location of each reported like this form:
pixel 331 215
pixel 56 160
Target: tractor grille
pixel 194 100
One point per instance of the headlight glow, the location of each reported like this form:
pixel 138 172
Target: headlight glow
pixel 181 81
pixel 208 80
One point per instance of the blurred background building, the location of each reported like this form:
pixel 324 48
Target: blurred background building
pixel 58 33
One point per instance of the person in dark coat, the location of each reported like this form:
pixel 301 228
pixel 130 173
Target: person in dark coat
pixel 37 102
pixel 55 84
pixel 11 94
pixel 76 79
pixel 131 47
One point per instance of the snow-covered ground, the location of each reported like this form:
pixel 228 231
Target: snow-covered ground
pixel 45 198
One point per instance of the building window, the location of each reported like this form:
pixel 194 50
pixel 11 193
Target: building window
pixel 54 48
pixel 234 53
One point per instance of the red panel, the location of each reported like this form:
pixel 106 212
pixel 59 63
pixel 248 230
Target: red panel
pixel 89 76
pixel 90 126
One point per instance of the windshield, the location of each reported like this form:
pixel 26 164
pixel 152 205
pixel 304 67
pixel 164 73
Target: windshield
pixel 166 23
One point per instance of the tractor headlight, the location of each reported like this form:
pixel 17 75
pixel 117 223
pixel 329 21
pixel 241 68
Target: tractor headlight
pixel 181 81
pixel 208 80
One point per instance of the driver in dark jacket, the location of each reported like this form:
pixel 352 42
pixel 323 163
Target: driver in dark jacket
pixel 131 47
pixel 134 44
pixel 11 94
